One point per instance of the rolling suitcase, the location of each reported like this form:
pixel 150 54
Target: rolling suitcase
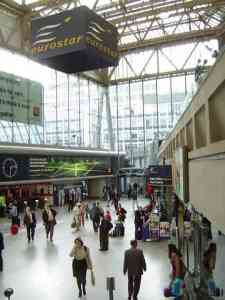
pixel 121 229
pixel 14 229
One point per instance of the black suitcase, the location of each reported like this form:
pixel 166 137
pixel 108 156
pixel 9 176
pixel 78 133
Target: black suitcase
pixel 119 230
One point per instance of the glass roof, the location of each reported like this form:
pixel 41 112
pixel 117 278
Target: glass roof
pixel 141 20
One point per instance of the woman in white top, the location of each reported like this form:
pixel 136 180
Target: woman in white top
pixel 81 262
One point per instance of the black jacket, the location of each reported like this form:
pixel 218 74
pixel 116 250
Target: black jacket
pixel 105 227
pixel 2 246
pixel 95 213
pixel 134 262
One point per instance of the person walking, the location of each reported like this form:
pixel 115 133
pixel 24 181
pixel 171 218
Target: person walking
pixel 81 262
pixel 29 221
pixel 70 200
pixel 61 198
pixel 95 217
pixel 14 214
pixel 115 199
pixel 2 247
pixel 104 230
pixel 129 192
pixel 134 264
pixel 135 196
pixel 77 216
pixel 150 190
pixel 83 213
pixel 49 219
pixel 138 222
pixel 104 193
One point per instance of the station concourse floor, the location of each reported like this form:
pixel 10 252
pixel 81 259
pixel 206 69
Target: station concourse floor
pixel 42 270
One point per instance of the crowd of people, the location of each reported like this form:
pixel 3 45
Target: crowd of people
pixel 107 224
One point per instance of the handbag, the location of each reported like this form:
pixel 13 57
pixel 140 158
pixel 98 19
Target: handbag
pixel 92 278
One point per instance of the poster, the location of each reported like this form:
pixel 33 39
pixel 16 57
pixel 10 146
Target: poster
pixel 20 99
pixel 25 167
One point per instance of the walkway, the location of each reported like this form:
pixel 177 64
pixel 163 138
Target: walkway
pixel 42 270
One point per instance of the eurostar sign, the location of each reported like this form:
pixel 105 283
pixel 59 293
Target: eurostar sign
pixel 74 41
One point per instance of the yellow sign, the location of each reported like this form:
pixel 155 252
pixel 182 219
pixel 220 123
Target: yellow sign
pixel 57 44
pixel 71 41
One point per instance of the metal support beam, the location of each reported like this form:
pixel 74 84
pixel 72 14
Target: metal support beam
pixel 179 38
pixel 154 76
pixel 99 121
pixel 109 119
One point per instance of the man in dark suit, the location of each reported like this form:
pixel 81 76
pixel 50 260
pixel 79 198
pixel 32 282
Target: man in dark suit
pixel 134 264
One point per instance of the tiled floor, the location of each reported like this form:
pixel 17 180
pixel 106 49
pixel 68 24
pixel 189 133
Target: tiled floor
pixel 42 270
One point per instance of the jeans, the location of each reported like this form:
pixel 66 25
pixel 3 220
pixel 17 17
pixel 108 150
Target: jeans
pixel 49 227
pixel 30 232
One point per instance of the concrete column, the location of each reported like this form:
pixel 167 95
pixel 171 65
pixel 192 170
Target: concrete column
pixel 95 187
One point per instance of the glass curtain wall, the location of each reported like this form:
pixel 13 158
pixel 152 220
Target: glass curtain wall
pixel 72 111
pixel 147 111
pixel 71 107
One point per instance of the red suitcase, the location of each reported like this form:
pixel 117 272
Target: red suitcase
pixel 14 229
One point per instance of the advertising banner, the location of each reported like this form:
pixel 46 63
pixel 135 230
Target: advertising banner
pixel 159 171
pixel 20 99
pixel 17 167
pixel 74 41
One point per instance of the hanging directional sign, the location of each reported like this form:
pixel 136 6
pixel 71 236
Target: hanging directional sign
pixel 20 99
pixel 74 41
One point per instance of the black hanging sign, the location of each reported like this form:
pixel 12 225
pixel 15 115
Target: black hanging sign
pixel 75 41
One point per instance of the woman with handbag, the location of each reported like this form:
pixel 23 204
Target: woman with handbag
pixel 81 262
pixel 49 220
pixel 30 222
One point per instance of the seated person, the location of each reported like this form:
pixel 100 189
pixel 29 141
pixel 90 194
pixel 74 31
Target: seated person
pixel 121 213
